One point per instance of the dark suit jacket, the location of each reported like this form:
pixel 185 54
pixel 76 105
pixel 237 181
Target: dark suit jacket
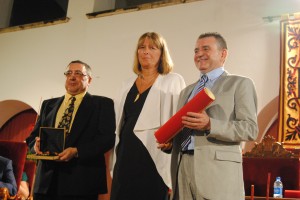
pixel 93 133
pixel 7 177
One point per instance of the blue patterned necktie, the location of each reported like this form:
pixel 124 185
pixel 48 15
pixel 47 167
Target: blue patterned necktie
pixel 67 116
pixel 186 137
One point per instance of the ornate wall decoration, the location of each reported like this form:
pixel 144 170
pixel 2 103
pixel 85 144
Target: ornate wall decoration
pixel 289 105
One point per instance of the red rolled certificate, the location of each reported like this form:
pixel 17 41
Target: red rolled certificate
pixel 197 104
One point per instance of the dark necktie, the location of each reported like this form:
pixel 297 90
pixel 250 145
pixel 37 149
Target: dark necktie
pixel 186 137
pixel 67 116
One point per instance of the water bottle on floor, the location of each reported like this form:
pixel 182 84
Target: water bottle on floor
pixel 278 188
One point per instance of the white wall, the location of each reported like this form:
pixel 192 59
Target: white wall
pixel 32 61
pixel 103 5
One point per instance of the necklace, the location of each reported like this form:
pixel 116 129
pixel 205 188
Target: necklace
pixel 146 85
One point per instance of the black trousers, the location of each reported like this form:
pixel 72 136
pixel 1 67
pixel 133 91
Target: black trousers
pixel 56 197
pixel 52 193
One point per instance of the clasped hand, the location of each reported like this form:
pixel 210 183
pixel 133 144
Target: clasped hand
pixel 196 121
pixel 192 120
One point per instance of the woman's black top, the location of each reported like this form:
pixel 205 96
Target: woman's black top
pixel 135 176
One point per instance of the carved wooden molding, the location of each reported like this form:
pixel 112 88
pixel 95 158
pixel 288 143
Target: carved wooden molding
pixel 269 148
pixel 34 25
pixel 137 8
pixel 4 193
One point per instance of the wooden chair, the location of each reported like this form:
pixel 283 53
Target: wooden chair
pixel 266 157
pixel 16 151
pixel 4 193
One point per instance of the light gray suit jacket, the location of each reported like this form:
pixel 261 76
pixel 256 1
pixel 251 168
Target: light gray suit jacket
pixel 218 156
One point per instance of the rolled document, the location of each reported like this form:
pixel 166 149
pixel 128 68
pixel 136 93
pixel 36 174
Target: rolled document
pixel 197 104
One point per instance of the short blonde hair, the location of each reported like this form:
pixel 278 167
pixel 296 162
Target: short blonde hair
pixel 166 64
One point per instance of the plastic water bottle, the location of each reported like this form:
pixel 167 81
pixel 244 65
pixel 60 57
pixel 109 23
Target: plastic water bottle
pixel 278 187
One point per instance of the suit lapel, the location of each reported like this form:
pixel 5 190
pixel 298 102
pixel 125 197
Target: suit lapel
pixel 51 116
pixel 216 89
pixel 186 93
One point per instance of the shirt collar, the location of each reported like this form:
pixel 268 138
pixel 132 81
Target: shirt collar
pixel 78 97
pixel 214 74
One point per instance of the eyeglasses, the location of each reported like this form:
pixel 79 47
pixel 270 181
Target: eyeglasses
pixel 76 73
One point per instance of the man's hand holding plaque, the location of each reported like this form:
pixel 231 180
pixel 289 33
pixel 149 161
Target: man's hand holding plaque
pixel 50 144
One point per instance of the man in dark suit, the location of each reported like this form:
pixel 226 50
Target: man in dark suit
pixel 7 177
pixel 80 171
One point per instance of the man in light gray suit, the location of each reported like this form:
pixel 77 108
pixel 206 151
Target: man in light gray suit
pixel 210 166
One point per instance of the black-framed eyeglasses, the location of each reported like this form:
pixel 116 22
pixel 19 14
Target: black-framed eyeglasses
pixel 76 73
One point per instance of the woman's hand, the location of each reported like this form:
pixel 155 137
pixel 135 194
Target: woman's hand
pixel 165 146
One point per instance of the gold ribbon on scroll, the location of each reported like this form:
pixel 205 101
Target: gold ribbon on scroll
pixel 289 103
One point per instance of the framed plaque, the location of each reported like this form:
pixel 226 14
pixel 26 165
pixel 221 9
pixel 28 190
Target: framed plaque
pixel 52 142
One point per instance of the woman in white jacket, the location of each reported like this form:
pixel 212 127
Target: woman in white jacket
pixel 146 102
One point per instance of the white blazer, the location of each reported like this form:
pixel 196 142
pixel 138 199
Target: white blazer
pixel 160 105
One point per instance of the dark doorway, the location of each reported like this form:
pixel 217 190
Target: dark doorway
pixel 31 11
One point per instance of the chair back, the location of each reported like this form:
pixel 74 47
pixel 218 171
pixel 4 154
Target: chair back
pixel 269 156
pixel 16 151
